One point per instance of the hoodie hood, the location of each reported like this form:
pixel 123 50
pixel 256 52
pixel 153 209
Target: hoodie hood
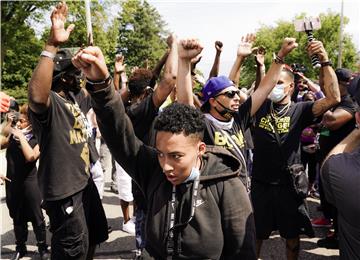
pixel 219 163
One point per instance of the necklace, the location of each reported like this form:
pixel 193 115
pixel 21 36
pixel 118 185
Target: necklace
pixel 279 114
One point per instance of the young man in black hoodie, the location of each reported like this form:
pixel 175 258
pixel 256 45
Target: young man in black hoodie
pixel 197 205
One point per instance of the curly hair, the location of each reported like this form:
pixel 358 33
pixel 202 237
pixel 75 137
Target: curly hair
pixel 139 80
pixel 179 118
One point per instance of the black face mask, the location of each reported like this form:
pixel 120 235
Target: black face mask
pixel 226 112
pixel 69 81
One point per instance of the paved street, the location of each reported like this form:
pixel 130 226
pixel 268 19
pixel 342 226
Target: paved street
pixel 120 244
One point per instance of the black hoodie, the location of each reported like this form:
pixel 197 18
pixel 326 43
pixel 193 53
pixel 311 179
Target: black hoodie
pixel 223 225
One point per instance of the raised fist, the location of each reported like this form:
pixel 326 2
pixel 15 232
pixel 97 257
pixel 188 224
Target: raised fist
pixel 189 48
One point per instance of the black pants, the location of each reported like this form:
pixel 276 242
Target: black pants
pixel 76 223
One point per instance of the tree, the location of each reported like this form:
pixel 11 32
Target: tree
pixel 141 34
pixel 272 37
pixel 19 46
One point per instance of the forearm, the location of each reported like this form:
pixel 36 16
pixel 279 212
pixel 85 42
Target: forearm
pixel 235 70
pixel 348 145
pixel 183 83
pixel 214 72
pixel 260 74
pixel 157 70
pixel 117 80
pixel 331 87
pixel 266 85
pixel 167 83
pixel 29 153
pixel 40 82
pixel 115 126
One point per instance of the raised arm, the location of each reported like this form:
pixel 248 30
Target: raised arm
pixel 167 83
pixel 215 68
pixel 243 51
pixel 40 83
pixel 187 50
pixel 119 71
pixel 272 76
pixel 327 78
pixel 30 154
pixel 115 126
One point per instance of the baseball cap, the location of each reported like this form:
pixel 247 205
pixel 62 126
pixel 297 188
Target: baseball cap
pixel 343 74
pixel 214 86
pixel 354 89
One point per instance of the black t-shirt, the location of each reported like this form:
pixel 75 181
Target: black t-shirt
pixel 268 164
pixel 63 133
pixel 215 136
pixel 142 115
pixel 328 139
pixel 18 170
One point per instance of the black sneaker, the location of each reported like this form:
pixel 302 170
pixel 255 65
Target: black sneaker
pixel 329 242
pixel 44 251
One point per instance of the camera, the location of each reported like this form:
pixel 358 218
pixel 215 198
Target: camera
pixel 298 68
pixel 15 118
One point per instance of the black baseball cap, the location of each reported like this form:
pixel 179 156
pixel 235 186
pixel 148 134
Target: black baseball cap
pixel 343 74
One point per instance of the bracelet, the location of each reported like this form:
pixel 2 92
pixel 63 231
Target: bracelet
pixel 47 54
pixel 279 60
pixel 101 82
pixel 326 63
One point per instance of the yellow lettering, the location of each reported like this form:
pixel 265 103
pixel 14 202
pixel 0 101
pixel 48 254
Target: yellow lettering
pixel 219 139
pixel 73 137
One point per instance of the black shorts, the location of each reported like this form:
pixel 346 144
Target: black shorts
pixel 276 207
pixel 75 223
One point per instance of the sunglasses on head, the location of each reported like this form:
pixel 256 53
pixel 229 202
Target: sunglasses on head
pixel 230 93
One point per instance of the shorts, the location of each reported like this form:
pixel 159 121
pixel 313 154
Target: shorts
pixel 124 184
pixel 276 207
pixel 76 223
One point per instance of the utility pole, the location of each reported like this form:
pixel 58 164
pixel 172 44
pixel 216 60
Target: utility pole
pixel 339 64
pixel 90 39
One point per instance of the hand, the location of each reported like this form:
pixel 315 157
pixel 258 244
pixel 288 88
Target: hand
pixel 189 49
pixel 4 102
pixel 3 179
pixel 58 34
pixel 119 66
pixel 245 45
pixel 317 47
pixel 91 62
pixel 171 39
pixel 218 46
pixel 287 46
pixel 133 69
pixel 259 55
pixel 16 132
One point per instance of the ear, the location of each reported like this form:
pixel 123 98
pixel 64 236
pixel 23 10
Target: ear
pixel 202 148
pixel 212 102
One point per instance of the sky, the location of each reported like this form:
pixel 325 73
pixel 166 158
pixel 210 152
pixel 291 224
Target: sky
pixel 229 20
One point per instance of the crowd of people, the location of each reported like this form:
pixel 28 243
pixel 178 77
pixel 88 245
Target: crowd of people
pixel 211 174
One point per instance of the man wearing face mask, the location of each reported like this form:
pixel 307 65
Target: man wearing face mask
pixel 226 121
pixel 71 200
pixel 276 206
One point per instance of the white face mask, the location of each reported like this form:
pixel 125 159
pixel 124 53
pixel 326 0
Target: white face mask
pixel 278 93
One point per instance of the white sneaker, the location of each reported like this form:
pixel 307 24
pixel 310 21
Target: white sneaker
pixel 129 227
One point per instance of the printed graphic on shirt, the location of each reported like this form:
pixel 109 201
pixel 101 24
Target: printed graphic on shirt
pixel 221 139
pixel 80 133
pixel 81 130
pixel 282 124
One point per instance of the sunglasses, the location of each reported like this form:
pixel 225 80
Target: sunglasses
pixel 230 93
